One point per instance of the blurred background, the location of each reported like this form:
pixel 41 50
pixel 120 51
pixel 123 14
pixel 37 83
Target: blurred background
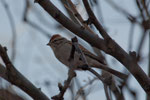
pixel 25 29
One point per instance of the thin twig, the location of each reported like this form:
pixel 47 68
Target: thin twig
pixel 80 91
pixel 95 21
pixel 26 9
pixel 77 15
pixel 141 44
pixel 140 9
pixel 36 26
pixel 106 92
pixel 146 8
pixel 69 11
pixel 71 75
pixel 32 24
pixel 131 34
pixel 121 10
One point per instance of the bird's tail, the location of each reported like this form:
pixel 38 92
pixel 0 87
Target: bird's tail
pixel 110 70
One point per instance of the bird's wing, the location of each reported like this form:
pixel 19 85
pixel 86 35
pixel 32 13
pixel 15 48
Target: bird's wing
pixel 91 55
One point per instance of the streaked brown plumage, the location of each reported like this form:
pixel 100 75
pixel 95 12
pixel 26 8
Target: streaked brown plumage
pixel 62 48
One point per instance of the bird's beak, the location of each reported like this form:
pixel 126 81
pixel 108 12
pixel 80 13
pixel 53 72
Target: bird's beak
pixel 48 44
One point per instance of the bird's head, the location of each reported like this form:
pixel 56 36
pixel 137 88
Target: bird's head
pixel 55 41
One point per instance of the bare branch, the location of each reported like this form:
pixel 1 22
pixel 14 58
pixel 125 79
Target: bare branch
pixel 81 89
pixel 13 76
pixel 37 27
pixel 71 75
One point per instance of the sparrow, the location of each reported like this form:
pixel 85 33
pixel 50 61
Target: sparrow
pixel 62 49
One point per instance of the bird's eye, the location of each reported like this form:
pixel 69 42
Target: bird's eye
pixel 80 58
pixel 58 41
pixel 54 41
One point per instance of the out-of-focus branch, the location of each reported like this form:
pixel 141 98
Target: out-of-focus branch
pixel 141 44
pixel 106 92
pixel 141 4
pixel 94 20
pixel 148 4
pixel 145 8
pixel 65 4
pixel 81 89
pixel 100 12
pixel 145 23
pixel 131 18
pixel 37 27
pixel 12 75
pixel 133 93
pixel 106 81
pixel 26 9
pixel 131 37
pixel 71 75
pixel 140 9
pixel 76 14
pixel 32 24
pixel 14 34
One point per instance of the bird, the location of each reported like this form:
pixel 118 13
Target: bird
pixel 62 49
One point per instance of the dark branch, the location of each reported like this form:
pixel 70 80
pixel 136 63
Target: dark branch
pixel 13 76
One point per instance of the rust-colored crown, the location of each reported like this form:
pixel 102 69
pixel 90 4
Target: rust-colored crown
pixel 54 37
